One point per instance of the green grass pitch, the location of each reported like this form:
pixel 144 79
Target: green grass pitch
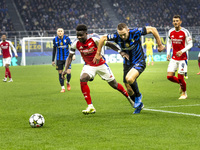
pixel 36 89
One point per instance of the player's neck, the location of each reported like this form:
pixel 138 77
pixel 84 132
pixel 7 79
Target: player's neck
pixel 60 37
pixel 4 40
pixel 178 28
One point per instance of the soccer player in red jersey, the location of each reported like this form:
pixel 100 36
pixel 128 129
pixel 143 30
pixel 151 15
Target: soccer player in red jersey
pixel 181 42
pixel 5 47
pixel 87 46
pixel 199 63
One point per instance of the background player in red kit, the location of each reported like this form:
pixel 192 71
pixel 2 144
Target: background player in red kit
pixel 87 45
pixel 5 47
pixel 181 42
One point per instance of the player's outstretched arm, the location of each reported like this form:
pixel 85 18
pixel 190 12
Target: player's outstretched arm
pixel 155 33
pixel 97 57
pixel 68 62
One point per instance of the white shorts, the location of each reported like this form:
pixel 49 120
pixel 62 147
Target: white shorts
pixel 181 65
pixel 103 71
pixel 199 54
pixel 6 61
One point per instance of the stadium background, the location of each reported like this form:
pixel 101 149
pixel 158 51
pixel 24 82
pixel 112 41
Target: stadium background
pixel 40 18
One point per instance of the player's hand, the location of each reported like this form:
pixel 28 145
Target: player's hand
pixel 124 55
pixel 161 48
pixel 74 57
pixel 96 59
pixel 168 57
pixel 63 74
pixel 53 63
pixel 179 53
pixel 16 56
pixel 1 54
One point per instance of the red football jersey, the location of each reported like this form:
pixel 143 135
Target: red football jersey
pixel 88 49
pixel 179 41
pixel 5 47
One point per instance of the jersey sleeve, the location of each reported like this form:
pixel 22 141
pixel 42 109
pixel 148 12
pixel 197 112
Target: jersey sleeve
pixel 73 46
pixel 69 41
pixel 143 30
pixel 188 37
pixel 13 48
pixel 112 37
pixel 169 43
pixel 54 42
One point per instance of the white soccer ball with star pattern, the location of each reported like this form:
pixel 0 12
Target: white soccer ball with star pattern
pixel 36 120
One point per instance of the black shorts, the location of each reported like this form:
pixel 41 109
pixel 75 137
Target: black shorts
pixel 60 64
pixel 140 67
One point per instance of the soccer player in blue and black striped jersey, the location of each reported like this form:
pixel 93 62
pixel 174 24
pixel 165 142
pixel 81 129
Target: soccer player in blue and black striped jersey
pixel 129 42
pixel 61 44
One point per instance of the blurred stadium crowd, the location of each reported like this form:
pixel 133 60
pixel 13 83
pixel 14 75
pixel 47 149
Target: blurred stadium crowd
pixel 51 14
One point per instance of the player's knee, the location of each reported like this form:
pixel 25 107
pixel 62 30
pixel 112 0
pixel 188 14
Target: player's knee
pixel 129 80
pixel 113 84
pixel 199 59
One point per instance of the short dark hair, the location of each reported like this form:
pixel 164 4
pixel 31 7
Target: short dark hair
pixel 121 26
pixel 81 27
pixel 177 16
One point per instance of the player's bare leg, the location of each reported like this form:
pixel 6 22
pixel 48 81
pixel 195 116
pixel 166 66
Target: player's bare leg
pixel 61 81
pixel 86 93
pixel 68 79
pixel 183 86
pixel 121 89
pixel 131 80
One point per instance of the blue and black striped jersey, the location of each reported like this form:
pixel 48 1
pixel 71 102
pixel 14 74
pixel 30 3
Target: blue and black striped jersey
pixel 62 47
pixel 131 46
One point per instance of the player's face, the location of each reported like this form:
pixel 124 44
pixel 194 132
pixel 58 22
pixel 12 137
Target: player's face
pixel 177 22
pixel 60 32
pixel 124 34
pixel 82 36
pixel 3 37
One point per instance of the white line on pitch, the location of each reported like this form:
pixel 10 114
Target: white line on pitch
pixel 172 112
pixel 178 106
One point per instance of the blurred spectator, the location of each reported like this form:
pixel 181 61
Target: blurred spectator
pixel 51 14
pixel 158 13
pixel 5 22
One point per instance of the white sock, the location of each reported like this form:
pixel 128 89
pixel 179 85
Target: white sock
pixel 90 105
pixel 63 87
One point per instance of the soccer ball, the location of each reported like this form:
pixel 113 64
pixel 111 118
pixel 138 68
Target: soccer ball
pixel 36 121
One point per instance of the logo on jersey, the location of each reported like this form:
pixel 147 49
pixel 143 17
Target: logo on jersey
pixel 81 47
pixel 127 45
pixel 65 41
pixel 61 43
pixel 180 36
pixel 87 51
pixel 172 36
pixel 89 43
pixel 132 40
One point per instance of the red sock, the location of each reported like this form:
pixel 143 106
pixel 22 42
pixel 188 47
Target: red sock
pixel 6 72
pixel 86 92
pixel 173 79
pixel 199 65
pixel 122 90
pixel 182 82
pixel 9 74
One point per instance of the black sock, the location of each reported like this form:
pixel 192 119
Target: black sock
pixel 61 79
pixel 133 97
pixel 185 74
pixel 68 77
pixel 135 88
